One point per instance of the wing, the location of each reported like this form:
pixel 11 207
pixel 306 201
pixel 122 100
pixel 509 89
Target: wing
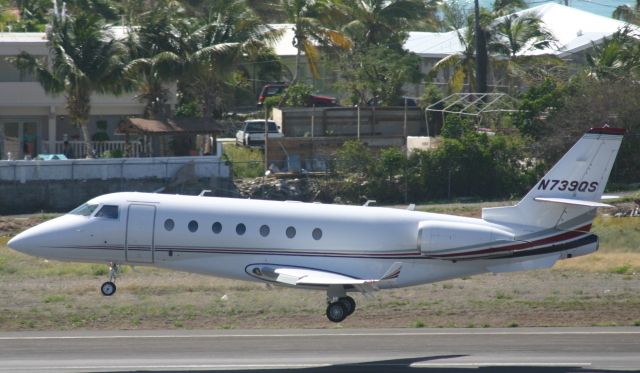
pixel 304 276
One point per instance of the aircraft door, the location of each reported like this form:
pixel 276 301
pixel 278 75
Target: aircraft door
pixel 140 231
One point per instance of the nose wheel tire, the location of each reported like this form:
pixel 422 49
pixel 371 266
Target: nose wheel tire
pixel 108 288
pixel 336 311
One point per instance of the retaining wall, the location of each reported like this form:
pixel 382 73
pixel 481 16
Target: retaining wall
pixel 60 185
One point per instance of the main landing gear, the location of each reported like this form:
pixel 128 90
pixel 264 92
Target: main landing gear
pixel 339 308
pixel 109 287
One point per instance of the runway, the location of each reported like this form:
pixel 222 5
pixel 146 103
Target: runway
pixel 551 350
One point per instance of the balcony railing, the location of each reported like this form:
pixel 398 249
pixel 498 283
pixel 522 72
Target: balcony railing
pixel 79 150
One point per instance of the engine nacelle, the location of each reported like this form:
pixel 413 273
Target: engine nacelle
pixel 436 236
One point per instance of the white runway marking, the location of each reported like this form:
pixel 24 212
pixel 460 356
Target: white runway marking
pixel 169 367
pixel 495 364
pixel 315 335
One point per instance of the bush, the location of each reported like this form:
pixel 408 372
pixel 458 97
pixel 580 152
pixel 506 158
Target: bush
pixel 116 153
pixel 298 95
pixel 471 165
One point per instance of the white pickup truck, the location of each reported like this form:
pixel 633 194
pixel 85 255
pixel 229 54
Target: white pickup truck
pixel 252 132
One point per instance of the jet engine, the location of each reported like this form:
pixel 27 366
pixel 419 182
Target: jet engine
pixel 437 236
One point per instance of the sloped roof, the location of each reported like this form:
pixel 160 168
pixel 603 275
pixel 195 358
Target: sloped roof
pixel 433 44
pixel 284 45
pixel 574 30
pixel 173 126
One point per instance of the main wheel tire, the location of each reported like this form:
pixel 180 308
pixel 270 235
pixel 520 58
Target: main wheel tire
pixel 108 289
pixel 336 312
pixel 349 304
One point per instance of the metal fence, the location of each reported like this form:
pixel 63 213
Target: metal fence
pixel 99 147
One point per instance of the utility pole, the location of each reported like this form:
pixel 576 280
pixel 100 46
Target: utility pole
pixel 266 139
pixel 481 53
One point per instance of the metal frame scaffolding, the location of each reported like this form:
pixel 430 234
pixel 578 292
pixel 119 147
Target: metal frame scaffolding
pixel 472 104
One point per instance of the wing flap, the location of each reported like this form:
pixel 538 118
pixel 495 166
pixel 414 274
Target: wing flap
pixel 307 276
pixel 299 276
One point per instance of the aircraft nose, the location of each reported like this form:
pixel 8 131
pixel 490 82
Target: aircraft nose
pixel 25 242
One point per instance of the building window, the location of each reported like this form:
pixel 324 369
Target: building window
pixel 291 232
pixel 169 224
pixel 216 227
pixel 240 229
pixel 317 234
pixel 264 230
pixel 193 226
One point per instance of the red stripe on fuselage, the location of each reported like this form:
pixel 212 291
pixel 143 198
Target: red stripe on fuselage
pixel 525 245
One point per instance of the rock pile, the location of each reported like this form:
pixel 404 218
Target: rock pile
pixel 297 189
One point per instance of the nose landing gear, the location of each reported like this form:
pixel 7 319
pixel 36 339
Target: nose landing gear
pixel 109 287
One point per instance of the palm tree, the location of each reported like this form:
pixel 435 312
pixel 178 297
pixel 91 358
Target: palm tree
pixel 504 7
pixel 146 70
pixel 310 19
pixel 374 22
pixel 615 58
pixel 515 34
pixel 85 59
pixel 627 13
pixel 461 64
pixel 511 36
pixel 207 54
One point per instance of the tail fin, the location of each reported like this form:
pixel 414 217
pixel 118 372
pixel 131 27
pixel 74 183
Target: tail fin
pixel 568 195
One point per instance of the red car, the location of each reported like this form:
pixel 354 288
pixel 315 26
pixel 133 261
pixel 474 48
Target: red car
pixel 275 89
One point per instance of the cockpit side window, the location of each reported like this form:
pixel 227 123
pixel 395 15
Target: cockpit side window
pixel 84 210
pixel 108 211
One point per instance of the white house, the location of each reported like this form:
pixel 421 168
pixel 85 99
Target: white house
pixel 575 32
pixel 34 122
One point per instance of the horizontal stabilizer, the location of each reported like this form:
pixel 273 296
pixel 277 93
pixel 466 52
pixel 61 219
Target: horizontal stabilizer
pixel 609 197
pixel 574 202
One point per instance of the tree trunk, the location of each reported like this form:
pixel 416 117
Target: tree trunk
pixel 296 75
pixel 481 53
pixel 79 106
pixel 84 127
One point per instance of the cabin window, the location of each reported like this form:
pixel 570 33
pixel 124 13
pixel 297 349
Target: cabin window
pixel 193 226
pixel 317 234
pixel 240 229
pixel 84 210
pixel 264 230
pixel 216 227
pixel 169 224
pixel 108 212
pixel 291 232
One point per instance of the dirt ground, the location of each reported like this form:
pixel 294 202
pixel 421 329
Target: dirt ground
pixel 159 299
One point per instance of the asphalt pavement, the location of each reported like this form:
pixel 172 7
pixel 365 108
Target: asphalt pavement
pixel 528 350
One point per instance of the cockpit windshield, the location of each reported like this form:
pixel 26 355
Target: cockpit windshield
pixel 108 212
pixel 84 210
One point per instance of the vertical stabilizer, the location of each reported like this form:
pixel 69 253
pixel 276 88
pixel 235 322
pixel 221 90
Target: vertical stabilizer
pixel 568 195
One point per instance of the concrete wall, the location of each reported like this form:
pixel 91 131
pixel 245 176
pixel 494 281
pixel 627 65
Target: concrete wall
pixel 64 195
pixel 110 168
pixel 30 186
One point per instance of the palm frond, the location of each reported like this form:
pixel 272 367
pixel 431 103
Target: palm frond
pixel 313 57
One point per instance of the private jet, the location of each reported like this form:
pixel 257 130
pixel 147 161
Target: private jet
pixel 336 248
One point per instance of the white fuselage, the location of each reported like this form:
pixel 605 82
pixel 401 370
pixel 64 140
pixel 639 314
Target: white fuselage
pixel 223 236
